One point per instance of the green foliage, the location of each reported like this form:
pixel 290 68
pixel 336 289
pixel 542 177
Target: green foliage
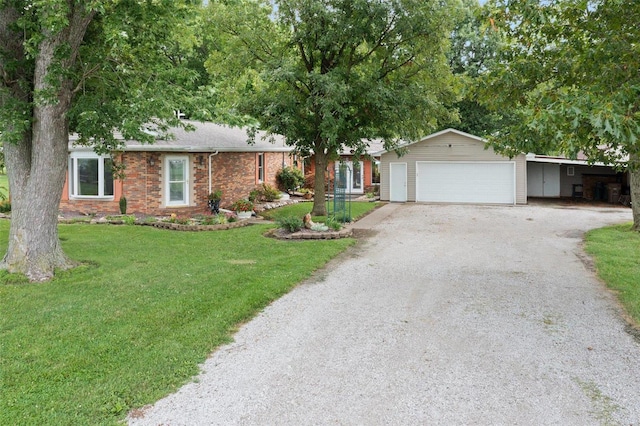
pixel 333 224
pixel 616 251
pixel 473 52
pixel 5 206
pixel 254 195
pixel 290 223
pixel 242 205
pixel 217 219
pixel 290 178
pixel 215 195
pixel 269 193
pixel 132 325
pixel 122 203
pixel 130 75
pixel 568 70
pixel 328 74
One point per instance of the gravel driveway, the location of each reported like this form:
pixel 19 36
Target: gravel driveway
pixel 443 315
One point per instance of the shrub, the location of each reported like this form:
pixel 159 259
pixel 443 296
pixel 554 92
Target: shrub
pixel 290 178
pixel 5 206
pixel 123 205
pixel 290 223
pixel 269 193
pixel 254 195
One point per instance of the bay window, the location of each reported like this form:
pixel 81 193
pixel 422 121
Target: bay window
pixel 90 175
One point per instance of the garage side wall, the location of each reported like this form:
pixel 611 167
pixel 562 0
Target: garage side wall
pixel 449 146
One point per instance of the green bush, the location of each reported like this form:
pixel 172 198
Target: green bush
pixel 123 205
pixel 290 223
pixel 269 193
pixel 290 178
pixel 254 196
pixel 5 206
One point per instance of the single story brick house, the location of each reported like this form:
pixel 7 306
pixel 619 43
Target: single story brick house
pixel 451 166
pixel 176 174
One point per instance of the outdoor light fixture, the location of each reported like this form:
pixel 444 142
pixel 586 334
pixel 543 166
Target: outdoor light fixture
pixel 151 160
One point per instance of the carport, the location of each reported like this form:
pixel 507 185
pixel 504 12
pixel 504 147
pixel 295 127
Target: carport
pixel 452 167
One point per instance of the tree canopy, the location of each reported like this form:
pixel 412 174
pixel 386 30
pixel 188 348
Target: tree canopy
pixel 474 49
pixel 569 71
pixel 330 74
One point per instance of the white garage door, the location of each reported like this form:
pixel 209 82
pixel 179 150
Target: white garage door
pixel 466 182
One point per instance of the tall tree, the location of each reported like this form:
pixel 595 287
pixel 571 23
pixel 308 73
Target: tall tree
pixel 333 73
pixel 474 48
pixel 85 66
pixel 569 71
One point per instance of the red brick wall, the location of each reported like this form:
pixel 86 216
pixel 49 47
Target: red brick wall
pixel 235 173
pixel 310 168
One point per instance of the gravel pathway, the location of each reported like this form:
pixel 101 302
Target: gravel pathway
pixel 444 315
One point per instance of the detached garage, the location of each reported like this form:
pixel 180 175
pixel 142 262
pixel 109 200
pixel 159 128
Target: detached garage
pixel 452 167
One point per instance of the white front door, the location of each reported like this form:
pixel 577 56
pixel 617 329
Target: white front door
pixel 398 182
pixel 355 181
pixel 177 180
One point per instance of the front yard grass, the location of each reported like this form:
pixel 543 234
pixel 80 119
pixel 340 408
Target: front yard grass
pixel 616 251
pixel 134 322
pixel 358 209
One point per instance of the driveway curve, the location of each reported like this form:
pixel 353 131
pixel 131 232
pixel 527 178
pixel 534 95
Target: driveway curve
pixel 443 315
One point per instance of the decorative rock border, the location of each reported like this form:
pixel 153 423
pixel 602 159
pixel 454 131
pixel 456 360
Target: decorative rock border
pixel 195 228
pixel 310 235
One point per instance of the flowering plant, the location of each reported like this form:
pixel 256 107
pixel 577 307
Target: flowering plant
pixel 242 205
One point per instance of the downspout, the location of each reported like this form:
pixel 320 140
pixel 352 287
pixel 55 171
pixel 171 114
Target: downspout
pixel 211 155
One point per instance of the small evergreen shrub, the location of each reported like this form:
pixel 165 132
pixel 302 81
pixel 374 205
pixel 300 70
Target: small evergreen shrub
pixel 290 223
pixel 123 205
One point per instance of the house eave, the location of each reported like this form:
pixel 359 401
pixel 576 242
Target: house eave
pixel 533 158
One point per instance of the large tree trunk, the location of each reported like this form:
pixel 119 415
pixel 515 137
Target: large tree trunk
pixel 36 169
pixel 319 205
pixel 37 163
pixel 634 171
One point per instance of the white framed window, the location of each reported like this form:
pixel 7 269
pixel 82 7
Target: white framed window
pixel 571 171
pixel 176 190
pixel 90 175
pixel 260 167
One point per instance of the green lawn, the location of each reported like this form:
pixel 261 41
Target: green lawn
pixel 134 322
pixel 358 209
pixel 616 251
